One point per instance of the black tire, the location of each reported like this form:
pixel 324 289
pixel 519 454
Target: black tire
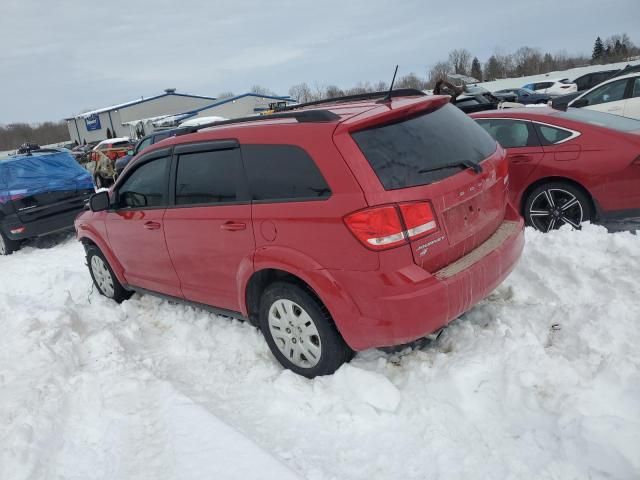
pixel 117 292
pixel 553 204
pixel 333 351
pixel 7 246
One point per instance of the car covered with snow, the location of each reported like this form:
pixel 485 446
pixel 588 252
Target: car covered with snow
pixel 336 226
pixel 41 192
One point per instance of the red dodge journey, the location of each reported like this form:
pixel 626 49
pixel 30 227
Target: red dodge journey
pixel 336 226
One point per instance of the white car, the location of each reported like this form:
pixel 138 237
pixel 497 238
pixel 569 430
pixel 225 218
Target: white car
pixel 558 86
pixel 619 96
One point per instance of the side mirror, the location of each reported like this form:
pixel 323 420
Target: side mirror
pixel 580 102
pixel 99 202
pixel 130 153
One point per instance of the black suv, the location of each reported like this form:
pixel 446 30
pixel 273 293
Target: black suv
pixel 144 142
pixel 41 192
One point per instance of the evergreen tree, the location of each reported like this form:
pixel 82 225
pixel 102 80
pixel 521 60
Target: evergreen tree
pixel 598 50
pixel 492 69
pixel 476 69
pixel 547 63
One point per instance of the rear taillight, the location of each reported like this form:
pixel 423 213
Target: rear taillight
pixel 380 228
pixel 377 228
pixel 112 155
pixel 18 230
pixel 418 219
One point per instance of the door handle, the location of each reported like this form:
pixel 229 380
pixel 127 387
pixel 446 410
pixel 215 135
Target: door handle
pixel 233 226
pixel 521 158
pixel 152 225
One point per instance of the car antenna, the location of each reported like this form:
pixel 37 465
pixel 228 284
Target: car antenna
pixel 387 97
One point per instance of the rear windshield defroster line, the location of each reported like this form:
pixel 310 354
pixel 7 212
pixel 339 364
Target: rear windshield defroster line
pixel 418 150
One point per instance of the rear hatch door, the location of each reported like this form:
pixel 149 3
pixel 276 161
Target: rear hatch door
pixel 440 156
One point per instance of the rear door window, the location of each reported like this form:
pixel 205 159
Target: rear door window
pixel 205 178
pixel 424 149
pixel 510 133
pixel 551 135
pixel 283 172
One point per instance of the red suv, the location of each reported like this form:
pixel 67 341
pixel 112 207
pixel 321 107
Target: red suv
pixel 357 223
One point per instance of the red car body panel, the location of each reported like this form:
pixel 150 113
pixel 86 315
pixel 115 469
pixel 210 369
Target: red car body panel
pixel 208 254
pixel 601 160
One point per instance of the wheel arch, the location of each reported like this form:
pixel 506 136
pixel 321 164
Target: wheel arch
pixel 541 181
pixel 318 283
pixel 92 240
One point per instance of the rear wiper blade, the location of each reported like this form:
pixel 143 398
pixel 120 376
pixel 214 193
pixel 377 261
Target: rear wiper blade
pixel 476 167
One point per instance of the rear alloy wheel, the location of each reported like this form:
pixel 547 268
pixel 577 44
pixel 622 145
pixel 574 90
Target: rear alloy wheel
pixel 103 277
pixel 7 246
pixel 300 331
pixel 554 204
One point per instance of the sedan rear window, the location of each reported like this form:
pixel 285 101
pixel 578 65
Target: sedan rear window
pixel 424 149
pixel 601 119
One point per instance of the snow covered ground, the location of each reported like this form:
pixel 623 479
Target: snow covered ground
pixel 541 380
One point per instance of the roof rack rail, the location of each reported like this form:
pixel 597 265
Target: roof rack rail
pixel 311 116
pixel 401 92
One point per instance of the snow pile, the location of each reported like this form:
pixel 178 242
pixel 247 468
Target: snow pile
pixel 541 380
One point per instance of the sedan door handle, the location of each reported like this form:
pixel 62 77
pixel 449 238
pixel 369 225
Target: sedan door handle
pixel 152 225
pixel 233 226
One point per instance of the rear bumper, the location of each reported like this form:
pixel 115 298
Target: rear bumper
pixel 37 228
pixel 397 309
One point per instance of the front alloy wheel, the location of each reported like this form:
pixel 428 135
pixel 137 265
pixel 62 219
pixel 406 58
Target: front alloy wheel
pixel 102 276
pixel 550 206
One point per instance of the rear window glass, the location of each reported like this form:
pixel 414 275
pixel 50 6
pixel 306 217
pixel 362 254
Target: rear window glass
pixel 600 119
pixel 424 149
pixel 207 177
pixel 282 172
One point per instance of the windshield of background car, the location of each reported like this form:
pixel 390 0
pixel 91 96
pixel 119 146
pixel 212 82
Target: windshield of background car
pixel 425 148
pixel 601 119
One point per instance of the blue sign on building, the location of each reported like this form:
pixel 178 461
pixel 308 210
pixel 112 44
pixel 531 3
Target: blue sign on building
pixel 92 122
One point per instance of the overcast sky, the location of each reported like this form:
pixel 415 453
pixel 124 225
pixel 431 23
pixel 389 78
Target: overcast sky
pixel 61 57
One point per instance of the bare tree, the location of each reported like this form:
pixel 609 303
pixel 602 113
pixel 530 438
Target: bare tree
pixel 226 95
pixel 439 72
pixel 411 81
pixel 460 60
pixel 333 91
pixel 260 90
pixel 15 134
pixel 301 92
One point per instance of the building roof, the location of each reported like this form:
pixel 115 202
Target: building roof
pixel 135 102
pixel 222 101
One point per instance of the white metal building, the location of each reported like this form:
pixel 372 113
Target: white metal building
pixel 237 106
pixel 98 124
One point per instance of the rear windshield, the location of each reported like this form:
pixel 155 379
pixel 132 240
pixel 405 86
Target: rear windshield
pixel 425 148
pixel 601 119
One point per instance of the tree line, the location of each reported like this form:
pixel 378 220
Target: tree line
pixel 522 62
pixel 15 134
